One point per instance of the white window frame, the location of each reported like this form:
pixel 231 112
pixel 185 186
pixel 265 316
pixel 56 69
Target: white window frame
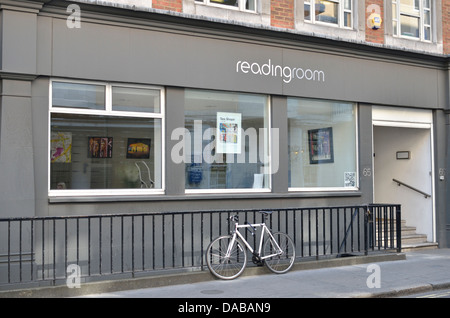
pixel 338 189
pixel 396 15
pixel 341 14
pixel 110 113
pixel 240 7
pixel 269 144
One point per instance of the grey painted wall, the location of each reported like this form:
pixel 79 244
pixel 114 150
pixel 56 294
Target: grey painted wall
pixel 17 185
pixel 113 53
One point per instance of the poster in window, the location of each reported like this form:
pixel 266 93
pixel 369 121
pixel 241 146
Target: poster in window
pixel 228 134
pixel 61 147
pixel 100 147
pixel 320 145
pixel 138 148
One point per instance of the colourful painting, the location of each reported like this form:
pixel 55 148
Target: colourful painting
pixel 61 147
pixel 138 148
pixel 100 147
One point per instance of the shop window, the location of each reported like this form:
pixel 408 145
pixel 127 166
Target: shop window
pixel 322 145
pixel 333 12
pixel 242 5
pixel 412 19
pixel 227 141
pixel 105 137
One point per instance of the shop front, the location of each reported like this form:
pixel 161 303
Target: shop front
pixel 135 113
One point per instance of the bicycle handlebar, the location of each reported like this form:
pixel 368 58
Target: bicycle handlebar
pixel 235 217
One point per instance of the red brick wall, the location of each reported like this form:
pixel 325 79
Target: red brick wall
pixel 375 36
pixel 282 14
pixel 171 5
pixel 446 25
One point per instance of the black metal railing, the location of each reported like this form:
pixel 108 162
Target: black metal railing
pixel 39 251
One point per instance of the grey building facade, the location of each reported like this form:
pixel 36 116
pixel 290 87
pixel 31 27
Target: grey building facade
pixel 141 110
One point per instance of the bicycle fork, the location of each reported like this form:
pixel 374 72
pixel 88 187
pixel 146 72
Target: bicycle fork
pixel 230 247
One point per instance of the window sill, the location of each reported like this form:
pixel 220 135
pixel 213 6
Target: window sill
pixel 220 13
pixel 227 191
pixel 330 31
pixel 100 195
pixel 413 44
pixel 329 25
pixel 236 195
pixel 334 189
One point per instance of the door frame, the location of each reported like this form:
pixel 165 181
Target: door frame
pixel 407 118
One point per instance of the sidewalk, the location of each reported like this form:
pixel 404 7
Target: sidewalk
pixel 420 271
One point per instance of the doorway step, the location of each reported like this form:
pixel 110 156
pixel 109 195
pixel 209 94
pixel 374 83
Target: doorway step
pixel 411 240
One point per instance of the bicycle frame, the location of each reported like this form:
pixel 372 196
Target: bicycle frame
pixel 265 230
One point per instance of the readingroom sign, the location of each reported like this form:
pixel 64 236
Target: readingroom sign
pixel 287 73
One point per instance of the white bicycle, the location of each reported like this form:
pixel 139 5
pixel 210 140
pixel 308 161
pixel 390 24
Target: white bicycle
pixel 226 256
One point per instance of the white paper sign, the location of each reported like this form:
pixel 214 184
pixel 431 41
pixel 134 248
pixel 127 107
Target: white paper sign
pixel 228 133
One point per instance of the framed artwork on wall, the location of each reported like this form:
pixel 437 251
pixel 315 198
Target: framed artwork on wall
pixel 320 145
pixel 100 147
pixel 138 148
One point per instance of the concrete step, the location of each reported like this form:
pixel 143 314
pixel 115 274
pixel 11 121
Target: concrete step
pixel 414 239
pixel 406 230
pixel 410 239
pixel 413 247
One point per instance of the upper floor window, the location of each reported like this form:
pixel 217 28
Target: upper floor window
pixel 242 5
pixel 412 19
pixel 333 12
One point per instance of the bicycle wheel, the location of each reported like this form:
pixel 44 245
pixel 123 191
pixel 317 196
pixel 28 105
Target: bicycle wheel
pixel 282 262
pixel 222 266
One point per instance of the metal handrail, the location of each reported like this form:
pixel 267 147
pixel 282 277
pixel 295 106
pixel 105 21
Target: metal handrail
pixel 412 188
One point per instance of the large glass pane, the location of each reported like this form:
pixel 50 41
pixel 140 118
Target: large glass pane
pixel 327 11
pixel 322 144
pixel 85 96
pixel 409 26
pixel 100 152
pixel 228 140
pixel 135 99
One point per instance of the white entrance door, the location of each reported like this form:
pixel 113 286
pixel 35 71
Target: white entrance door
pixel 402 143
